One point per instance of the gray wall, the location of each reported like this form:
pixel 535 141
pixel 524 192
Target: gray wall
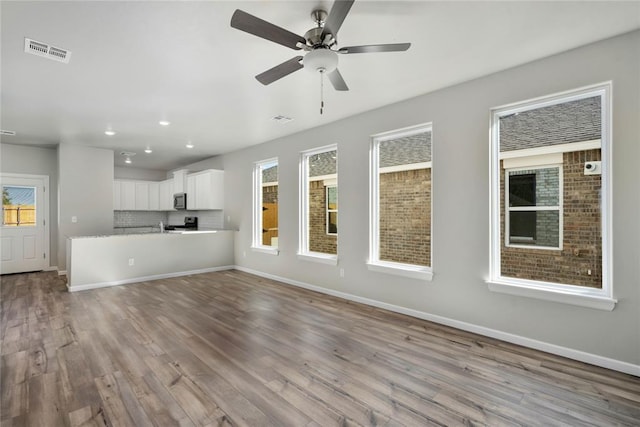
pixel 120 172
pixel 37 161
pixel 85 191
pixel 460 116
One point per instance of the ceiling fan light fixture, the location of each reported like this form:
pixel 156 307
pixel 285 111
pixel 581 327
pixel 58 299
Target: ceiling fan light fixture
pixel 322 60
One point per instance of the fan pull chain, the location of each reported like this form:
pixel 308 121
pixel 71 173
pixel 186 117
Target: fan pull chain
pixel 321 91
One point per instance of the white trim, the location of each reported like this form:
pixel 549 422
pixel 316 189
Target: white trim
pixel 256 211
pixel 374 198
pixel 330 177
pixel 603 90
pixel 552 292
pixel 62 272
pixel 559 208
pixel 146 278
pixel 303 205
pixel 401 133
pixel 403 168
pixel 327 211
pixel 531 162
pixel 45 210
pixel 552 149
pixel 51 268
pixel 266 250
pixel 594 359
pixel 270 184
pixel 399 269
pixel 319 257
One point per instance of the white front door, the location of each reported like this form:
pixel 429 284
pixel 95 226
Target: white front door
pixel 23 224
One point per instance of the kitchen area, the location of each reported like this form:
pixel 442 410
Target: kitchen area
pixel 161 229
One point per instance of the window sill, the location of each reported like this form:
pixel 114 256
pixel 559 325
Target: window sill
pixel 319 257
pixel 265 250
pixel 406 270
pixel 556 293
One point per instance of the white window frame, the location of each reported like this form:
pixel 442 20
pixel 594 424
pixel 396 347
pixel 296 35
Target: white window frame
pixel 256 244
pixel 569 294
pixel 509 209
pixel 303 208
pixel 375 263
pixel 327 210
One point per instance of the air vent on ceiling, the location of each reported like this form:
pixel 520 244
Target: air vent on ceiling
pixel 46 51
pixel 281 119
pixel 7 132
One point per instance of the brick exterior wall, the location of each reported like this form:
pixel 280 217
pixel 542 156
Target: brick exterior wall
pixel 319 240
pixel 270 214
pixel 582 238
pixel 405 217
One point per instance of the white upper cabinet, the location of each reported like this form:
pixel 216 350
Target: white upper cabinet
pixel 127 195
pixel 142 196
pixel 117 196
pixel 166 195
pixel 154 196
pixel 205 190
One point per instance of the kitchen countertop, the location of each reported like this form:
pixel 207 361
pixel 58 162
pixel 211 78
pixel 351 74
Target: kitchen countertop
pixel 200 230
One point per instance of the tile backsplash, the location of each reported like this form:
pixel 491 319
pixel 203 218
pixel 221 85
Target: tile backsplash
pixel 206 219
pixel 138 218
pixel 129 219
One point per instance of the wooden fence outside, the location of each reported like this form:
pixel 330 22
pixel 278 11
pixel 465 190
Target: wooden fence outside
pixel 18 215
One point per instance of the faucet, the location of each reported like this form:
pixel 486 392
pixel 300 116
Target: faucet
pixel 161 227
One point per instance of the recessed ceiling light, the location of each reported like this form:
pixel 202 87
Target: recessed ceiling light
pixel 189 144
pixel 164 123
pixel 109 132
pixel 148 150
pixel 7 132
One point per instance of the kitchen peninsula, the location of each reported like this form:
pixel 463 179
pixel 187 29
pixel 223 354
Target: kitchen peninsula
pixel 101 261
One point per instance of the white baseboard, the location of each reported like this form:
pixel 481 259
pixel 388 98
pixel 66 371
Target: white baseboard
pixel 51 268
pixel 62 272
pixel 594 359
pixel 146 278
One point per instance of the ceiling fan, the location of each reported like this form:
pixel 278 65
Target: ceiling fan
pixel 319 42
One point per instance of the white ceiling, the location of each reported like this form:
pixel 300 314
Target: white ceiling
pixel 135 63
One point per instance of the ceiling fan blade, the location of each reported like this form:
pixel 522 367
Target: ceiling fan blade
pixel 373 48
pixel 261 28
pixel 337 81
pixel 334 21
pixel 279 71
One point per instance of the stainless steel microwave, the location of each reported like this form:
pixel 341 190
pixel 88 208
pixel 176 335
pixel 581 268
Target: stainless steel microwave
pixel 180 201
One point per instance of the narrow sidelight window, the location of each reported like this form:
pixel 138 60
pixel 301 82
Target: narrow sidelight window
pixel 401 201
pixel 265 205
pixel 319 203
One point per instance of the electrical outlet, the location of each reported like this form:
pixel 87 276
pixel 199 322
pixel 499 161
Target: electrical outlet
pixel 244 254
pixel 74 219
pixel 342 272
pixel 132 262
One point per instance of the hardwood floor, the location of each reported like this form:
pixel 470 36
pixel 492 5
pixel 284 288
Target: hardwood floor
pixel 232 349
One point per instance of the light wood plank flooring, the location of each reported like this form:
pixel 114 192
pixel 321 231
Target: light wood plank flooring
pixel 232 349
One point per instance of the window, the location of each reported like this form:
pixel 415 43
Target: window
pixel 319 205
pixel 400 233
pixel 265 206
pixel 18 206
pixel 533 206
pixel 551 198
pixel 332 209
